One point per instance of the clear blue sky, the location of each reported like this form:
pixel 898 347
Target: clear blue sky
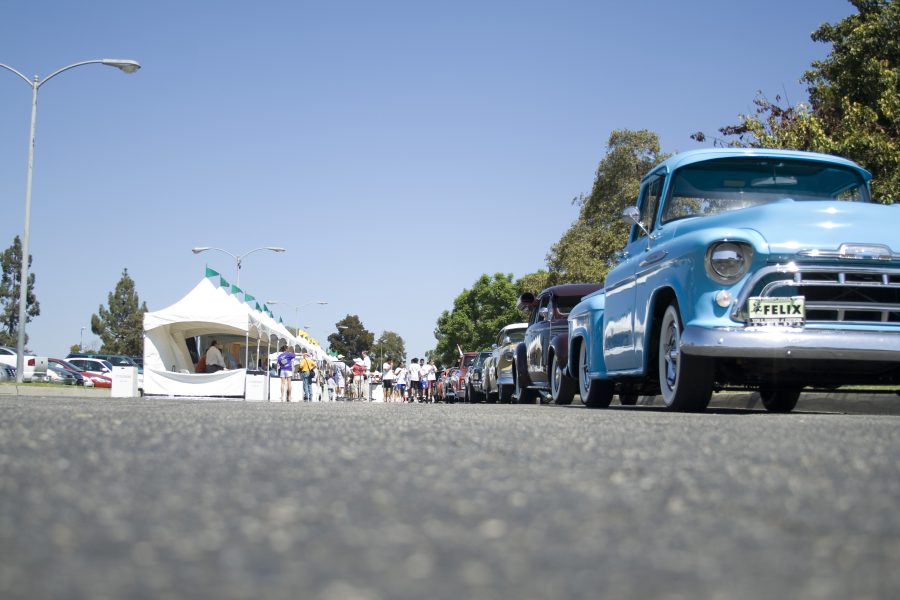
pixel 397 149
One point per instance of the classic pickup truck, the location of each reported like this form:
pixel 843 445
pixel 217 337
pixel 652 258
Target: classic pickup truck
pixel 769 270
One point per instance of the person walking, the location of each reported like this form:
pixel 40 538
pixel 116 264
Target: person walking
pixel 431 378
pixel 285 362
pixel 367 363
pixel 387 380
pixel 414 375
pixel 340 377
pixel 401 376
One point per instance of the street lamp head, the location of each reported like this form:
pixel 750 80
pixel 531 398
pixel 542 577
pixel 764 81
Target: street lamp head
pixel 275 248
pixel 124 65
pixel 199 249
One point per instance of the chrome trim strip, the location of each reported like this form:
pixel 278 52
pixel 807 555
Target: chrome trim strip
pixel 791 344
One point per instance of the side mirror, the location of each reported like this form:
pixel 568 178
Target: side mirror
pixel 507 340
pixel 543 313
pixel 632 216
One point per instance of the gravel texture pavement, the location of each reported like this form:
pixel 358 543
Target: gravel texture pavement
pixel 149 498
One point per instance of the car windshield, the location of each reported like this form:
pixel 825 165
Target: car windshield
pixel 516 335
pixel 724 185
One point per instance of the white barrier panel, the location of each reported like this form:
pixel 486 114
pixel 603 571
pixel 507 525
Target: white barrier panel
pixel 124 382
pixel 256 388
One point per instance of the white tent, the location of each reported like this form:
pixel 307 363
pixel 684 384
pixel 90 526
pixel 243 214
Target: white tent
pixel 207 311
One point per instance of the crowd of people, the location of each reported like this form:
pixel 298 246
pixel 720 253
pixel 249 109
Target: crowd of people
pixel 407 382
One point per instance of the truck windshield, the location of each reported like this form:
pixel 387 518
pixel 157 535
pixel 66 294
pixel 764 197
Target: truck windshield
pixel 723 185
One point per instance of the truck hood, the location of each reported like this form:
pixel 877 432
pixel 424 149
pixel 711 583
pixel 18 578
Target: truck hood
pixel 789 226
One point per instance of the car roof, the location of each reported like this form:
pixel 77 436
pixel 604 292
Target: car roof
pixel 571 289
pixel 694 156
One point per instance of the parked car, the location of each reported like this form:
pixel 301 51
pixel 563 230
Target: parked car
pixel 442 384
pixel 498 383
pixel 474 378
pixel 762 269
pixel 456 391
pixel 58 374
pixel 86 378
pixel 116 360
pixel 8 357
pixel 7 372
pixel 540 360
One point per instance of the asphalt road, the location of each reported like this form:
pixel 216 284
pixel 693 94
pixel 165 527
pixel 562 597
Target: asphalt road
pixel 145 498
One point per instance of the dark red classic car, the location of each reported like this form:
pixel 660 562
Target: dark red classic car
pixel 540 361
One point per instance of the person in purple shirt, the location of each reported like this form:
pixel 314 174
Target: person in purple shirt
pixel 285 363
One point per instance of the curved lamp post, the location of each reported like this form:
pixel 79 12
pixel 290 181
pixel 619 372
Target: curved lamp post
pixel 297 308
pixel 127 66
pixel 238 259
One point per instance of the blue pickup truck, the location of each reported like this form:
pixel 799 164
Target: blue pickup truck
pixel 768 270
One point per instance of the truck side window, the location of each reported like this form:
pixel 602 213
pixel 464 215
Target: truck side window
pixel 649 203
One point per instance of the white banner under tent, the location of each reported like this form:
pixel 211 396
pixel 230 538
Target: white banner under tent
pixel 245 336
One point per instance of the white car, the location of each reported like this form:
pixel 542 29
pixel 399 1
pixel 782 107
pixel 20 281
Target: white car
pixel 8 357
pixel 92 365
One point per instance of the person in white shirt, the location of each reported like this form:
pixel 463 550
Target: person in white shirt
pixel 214 359
pixel 431 376
pixel 414 375
pixel 400 379
pixel 387 380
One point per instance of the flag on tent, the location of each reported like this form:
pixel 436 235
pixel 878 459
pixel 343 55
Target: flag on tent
pixel 235 289
pixel 249 298
pixel 258 307
pixel 223 283
pixel 210 272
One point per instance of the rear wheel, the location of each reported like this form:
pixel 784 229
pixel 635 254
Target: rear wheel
pixel 562 388
pixel 781 400
pixel 595 393
pixel 686 381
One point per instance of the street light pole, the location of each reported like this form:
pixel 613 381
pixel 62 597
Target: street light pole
pixel 81 343
pixel 238 259
pixel 127 66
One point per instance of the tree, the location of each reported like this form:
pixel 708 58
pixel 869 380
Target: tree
pixel 121 325
pixel 352 338
pixel 477 316
pixel 11 263
pixel 389 346
pixel 586 252
pixel 854 99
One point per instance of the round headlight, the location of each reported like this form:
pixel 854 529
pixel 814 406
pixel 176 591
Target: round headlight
pixel 728 261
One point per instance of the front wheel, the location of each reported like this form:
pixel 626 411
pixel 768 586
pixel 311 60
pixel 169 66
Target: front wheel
pixel 595 393
pixel 525 395
pixel 686 381
pixel 782 400
pixel 562 388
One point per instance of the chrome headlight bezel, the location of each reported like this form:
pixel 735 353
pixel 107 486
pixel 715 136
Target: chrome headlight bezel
pixel 727 261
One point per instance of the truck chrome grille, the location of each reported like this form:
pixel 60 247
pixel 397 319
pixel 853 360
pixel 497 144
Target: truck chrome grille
pixel 847 294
